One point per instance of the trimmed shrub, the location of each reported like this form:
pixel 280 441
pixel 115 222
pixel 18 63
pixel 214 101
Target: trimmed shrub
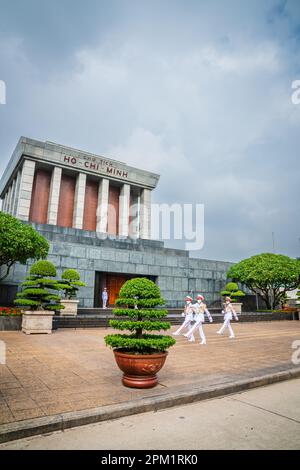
pixel 139 298
pixel 70 283
pixel 232 290
pixel 43 268
pixel 19 242
pixel 39 290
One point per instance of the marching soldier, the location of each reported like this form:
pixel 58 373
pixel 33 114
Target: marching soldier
pixel 199 308
pixel 188 314
pixel 228 312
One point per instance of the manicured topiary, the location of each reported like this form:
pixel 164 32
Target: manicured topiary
pixel 39 290
pixel 232 290
pixel 43 268
pixel 139 299
pixel 70 283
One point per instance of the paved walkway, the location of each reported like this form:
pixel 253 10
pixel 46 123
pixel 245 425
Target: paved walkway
pixel 73 369
pixel 264 418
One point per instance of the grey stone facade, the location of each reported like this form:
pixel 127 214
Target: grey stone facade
pixel 95 254
pixel 175 273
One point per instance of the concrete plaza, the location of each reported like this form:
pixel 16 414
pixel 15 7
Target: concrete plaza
pixel 73 370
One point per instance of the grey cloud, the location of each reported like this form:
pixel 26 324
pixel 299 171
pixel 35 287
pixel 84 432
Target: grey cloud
pixel 200 94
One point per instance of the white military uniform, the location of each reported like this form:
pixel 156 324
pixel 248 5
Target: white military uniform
pixel 199 309
pixel 188 318
pixel 228 313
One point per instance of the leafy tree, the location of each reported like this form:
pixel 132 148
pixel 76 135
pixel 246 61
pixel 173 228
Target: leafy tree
pixel 232 290
pixel 139 298
pixel 19 242
pixel 39 290
pixel 269 275
pixel 70 283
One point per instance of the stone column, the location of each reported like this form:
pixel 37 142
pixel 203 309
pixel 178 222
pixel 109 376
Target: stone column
pixel 13 196
pixel 134 214
pixel 124 201
pixel 26 184
pixel 17 193
pixel 145 214
pixel 4 204
pixel 9 193
pixel 79 200
pixel 54 195
pixel 102 210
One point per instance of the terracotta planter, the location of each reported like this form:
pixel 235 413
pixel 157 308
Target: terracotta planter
pixel 37 321
pixel 140 370
pixel 71 307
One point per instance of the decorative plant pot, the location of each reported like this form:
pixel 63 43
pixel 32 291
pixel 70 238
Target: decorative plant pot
pixel 38 321
pixel 237 307
pixel 140 370
pixel 71 307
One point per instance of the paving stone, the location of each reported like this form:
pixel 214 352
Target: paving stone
pixel 73 370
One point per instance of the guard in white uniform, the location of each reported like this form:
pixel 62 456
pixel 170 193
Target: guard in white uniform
pixel 188 314
pixel 228 313
pixel 199 309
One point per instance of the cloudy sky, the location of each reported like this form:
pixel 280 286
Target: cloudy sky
pixel 197 91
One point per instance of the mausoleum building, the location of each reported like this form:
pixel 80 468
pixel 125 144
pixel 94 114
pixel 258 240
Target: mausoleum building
pixel 96 214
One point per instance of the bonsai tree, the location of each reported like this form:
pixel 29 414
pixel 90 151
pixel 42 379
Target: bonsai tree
pixel 38 290
pixel 18 243
pixel 70 283
pixel 232 290
pixel 269 275
pixel 139 298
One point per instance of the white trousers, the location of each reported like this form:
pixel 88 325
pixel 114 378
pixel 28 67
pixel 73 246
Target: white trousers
pixel 104 303
pixel 198 325
pixel 186 324
pixel 225 325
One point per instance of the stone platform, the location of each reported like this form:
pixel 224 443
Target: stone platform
pixel 94 318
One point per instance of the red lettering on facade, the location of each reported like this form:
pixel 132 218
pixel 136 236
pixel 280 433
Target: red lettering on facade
pixel 95 166
pixel 72 160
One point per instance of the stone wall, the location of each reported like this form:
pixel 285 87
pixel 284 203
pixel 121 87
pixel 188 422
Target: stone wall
pixel 176 273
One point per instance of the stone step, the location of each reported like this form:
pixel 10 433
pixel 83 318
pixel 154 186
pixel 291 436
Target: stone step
pixel 95 320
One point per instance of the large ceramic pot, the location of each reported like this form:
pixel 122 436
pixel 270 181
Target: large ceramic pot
pixel 140 370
